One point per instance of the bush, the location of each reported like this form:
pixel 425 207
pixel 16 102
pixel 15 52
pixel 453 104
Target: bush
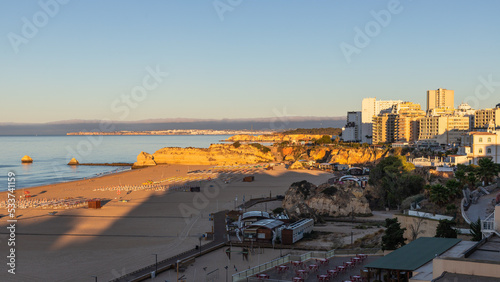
pixel 445 229
pixel 262 148
pixel 451 207
pixel 325 139
pixel 278 210
pixel 236 144
pixel 330 191
pixel 412 199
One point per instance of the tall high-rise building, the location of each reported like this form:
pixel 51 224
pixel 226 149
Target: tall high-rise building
pixel 384 128
pixel 352 130
pixel 440 98
pixel 370 108
pixel 408 121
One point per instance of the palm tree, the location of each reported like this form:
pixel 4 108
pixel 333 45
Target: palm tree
pixel 475 230
pixel 439 194
pixel 487 169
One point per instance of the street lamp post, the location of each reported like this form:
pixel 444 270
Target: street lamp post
pixel 177 270
pixel 201 236
pixel 156 263
pixel 226 271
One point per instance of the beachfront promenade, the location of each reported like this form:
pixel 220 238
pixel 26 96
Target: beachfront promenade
pixel 219 240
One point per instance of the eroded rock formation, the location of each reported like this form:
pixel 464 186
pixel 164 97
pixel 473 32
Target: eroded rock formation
pixel 216 154
pixel 304 199
pixel 144 159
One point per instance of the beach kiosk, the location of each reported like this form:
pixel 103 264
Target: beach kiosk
pixel 94 204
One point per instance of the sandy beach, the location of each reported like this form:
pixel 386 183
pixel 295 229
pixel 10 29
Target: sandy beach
pixel 77 243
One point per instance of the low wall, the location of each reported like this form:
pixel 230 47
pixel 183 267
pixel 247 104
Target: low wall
pixel 427 226
pixel 467 267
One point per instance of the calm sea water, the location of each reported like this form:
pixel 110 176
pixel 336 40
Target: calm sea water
pixel 51 154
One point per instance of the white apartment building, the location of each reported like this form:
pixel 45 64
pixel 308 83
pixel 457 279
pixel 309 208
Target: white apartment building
pixel 352 131
pixel 464 110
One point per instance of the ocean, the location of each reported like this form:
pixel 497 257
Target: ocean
pixel 51 154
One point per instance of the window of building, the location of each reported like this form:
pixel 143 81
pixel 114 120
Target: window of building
pixel 488 151
pixel 480 151
pixel 480 139
pixel 489 139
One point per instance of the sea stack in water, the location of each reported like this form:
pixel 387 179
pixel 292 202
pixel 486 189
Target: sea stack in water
pixel 26 160
pixel 73 161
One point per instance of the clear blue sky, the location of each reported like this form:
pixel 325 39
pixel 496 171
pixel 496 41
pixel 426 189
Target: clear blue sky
pixel 264 58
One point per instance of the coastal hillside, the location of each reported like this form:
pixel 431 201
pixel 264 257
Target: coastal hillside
pixel 216 154
pixel 356 156
pixel 334 155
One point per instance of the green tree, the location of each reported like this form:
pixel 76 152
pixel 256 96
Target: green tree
pixel 393 178
pixel 461 176
pixel 445 229
pixel 325 139
pixel 475 230
pixel 393 237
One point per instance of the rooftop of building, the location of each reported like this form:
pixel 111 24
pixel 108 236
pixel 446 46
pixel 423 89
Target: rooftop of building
pixel 415 254
pixel 267 223
pixel 255 214
pixel 446 276
pixel 425 272
pixel 488 249
pixel 481 133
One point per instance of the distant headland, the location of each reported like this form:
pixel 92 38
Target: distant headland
pixel 175 132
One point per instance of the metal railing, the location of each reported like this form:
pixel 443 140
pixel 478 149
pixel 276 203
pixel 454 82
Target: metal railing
pixel 464 214
pixel 246 274
pixel 488 224
pixel 242 276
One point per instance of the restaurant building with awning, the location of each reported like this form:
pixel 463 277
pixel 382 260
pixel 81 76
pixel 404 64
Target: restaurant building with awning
pixel 400 264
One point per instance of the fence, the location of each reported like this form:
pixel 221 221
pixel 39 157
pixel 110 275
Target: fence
pixel 247 274
pixel 260 268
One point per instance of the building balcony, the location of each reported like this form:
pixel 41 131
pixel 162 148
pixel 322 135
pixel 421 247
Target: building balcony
pixel 488 224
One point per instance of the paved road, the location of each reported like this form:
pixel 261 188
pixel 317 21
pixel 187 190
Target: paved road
pixel 483 208
pixel 219 237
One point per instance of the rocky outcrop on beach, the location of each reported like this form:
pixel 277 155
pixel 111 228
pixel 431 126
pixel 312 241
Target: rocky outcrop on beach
pixel 144 159
pixel 216 154
pixel 273 138
pixel 296 165
pixel 304 199
pixel 73 161
pixel 26 160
